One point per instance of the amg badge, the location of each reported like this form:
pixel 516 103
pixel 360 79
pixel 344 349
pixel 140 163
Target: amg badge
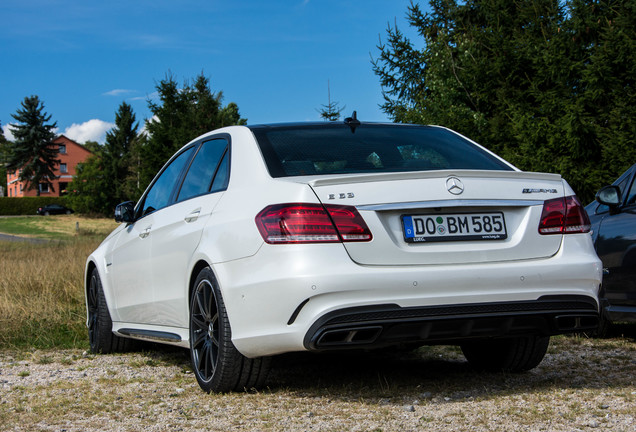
pixel 529 191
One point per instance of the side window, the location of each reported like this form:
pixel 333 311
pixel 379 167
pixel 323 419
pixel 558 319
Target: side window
pixel 222 174
pixel 159 194
pixel 200 176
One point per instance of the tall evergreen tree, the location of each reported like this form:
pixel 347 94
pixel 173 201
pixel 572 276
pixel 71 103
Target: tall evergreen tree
pixel 547 84
pixel 101 182
pixel 331 111
pixel 116 155
pixel 32 151
pixel 181 115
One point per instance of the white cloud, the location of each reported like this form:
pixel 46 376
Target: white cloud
pixel 7 132
pixel 118 92
pixel 92 130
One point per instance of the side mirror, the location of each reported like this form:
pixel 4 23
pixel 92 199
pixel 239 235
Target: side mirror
pixel 609 196
pixel 125 212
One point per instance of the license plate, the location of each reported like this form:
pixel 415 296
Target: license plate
pixel 454 227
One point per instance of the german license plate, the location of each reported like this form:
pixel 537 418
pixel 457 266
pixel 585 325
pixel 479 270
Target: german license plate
pixel 454 227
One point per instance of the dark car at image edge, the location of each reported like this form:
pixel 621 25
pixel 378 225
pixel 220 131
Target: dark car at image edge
pixel 613 219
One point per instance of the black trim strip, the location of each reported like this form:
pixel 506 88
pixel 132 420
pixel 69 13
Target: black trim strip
pixel 150 335
pixel 293 316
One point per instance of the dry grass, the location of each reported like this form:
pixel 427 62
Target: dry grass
pixel 41 293
pixel 73 225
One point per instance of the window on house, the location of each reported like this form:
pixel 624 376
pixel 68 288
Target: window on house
pixel 44 188
pixel 62 149
pixel 63 168
pixel 21 187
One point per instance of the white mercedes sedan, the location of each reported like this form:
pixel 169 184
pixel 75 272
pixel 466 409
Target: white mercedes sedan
pixel 258 240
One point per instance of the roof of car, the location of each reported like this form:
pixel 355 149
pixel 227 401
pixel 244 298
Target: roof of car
pixel 325 124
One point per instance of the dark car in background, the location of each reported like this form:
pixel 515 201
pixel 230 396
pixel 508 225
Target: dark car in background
pixel 613 218
pixel 53 209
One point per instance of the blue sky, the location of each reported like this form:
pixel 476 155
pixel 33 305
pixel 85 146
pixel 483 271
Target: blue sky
pixel 273 58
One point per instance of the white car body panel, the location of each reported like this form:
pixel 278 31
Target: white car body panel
pixel 175 236
pixel 146 281
pixel 251 283
pixel 131 289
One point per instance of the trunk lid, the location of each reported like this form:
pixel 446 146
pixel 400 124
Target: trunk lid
pixel 506 205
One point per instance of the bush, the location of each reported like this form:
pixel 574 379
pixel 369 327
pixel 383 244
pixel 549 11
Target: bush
pixel 26 205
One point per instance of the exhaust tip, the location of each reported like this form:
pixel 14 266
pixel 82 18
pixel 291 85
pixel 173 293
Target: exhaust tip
pixel 348 336
pixel 569 323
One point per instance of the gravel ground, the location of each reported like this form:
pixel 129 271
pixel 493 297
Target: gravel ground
pixel 582 384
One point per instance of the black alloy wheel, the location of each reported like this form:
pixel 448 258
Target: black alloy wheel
pixel 92 304
pixel 204 331
pixel 100 325
pixel 217 364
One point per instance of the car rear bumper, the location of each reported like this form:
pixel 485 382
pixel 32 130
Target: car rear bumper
pixel 295 297
pixel 381 325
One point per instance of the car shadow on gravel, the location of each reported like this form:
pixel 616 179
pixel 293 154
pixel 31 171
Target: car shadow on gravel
pixel 438 373
pixel 622 330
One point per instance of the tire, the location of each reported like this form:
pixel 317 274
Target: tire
pixel 100 326
pixel 46 213
pixel 217 364
pixel 508 355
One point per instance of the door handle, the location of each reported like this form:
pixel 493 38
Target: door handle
pixel 145 233
pixel 193 216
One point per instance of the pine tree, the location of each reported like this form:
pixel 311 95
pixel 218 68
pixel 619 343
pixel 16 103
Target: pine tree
pixel 181 115
pixel 32 151
pixel 547 84
pixel 331 111
pixel 116 155
pixel 102 181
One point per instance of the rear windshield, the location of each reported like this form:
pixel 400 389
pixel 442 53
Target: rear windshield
pixel 334 149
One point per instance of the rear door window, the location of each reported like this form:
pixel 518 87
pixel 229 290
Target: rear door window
pixel 204 168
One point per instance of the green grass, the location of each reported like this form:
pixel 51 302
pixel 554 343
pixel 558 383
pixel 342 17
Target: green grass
pixel 62 227
pixel 26 226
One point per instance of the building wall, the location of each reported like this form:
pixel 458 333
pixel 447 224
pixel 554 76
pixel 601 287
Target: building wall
pixel 74 154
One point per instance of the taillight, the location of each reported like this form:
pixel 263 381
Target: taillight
pixel 311 223
pixel 564 216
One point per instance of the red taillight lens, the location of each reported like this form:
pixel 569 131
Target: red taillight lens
pixel 564 216
pixel 311 223
pixel 349 223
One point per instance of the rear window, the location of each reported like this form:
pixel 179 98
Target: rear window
pixel 334 149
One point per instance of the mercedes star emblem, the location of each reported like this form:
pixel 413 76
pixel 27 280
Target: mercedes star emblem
pixel 454 185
